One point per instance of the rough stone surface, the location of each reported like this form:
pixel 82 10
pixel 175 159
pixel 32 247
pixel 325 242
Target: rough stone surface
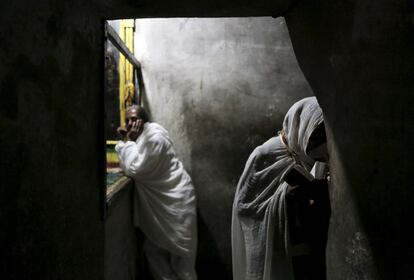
pixel 123 259
pixel 51 216
pixel 358 58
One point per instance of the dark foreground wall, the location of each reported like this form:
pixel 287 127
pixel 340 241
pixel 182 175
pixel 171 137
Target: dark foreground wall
pixel 221 86
pixel 358 58
pixel 356 55
pixel 51 223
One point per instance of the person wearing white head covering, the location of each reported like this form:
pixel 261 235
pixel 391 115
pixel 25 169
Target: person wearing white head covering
pixel 164 200
pixel 303 120
pixel 260 228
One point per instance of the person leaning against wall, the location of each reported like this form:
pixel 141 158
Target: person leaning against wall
pixel 279 229
pixel 164 205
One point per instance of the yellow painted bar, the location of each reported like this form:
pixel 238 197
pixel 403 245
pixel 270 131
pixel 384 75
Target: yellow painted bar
pixel 126 86
pixel 112 157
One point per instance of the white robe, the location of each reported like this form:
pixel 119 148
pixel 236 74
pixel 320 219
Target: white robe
pixel 164 204
pixel 260 234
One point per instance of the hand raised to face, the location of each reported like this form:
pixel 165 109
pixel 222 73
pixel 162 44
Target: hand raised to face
pixel 122 133
pixel 135 130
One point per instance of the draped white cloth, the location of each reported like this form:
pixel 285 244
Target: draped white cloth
pixel 260 234
pixel 164 201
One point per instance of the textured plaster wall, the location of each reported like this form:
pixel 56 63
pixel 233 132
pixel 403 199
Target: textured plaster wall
pixel 358 58
pixel 221 87
pixel 51 223
pixel 122 242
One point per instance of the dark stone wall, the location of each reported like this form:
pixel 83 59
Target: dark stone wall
pixel 123 259
pixel 356 55
pixel 358 58
pixel 51 216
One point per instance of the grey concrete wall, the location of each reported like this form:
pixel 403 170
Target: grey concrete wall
pixel 221 87
pixel 123 258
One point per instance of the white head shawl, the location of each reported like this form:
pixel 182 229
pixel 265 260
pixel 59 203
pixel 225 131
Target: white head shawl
pixel 260 234
pixel 300 122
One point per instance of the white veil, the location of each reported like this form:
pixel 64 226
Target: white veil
pixel 260 234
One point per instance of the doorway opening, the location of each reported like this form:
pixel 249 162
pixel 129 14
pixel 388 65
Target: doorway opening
pixel 221 87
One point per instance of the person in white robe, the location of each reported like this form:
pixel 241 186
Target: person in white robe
pixel 260 228
pixel 164 205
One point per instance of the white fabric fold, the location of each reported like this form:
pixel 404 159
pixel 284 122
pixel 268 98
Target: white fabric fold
pixel 260 233
pixel 164 200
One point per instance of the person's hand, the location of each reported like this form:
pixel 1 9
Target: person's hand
pixel 135 130
pixel 292 189
pixel 122 133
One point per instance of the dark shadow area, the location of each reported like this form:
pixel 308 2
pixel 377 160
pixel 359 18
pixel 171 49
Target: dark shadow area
pixel 144 272
pixel 208 264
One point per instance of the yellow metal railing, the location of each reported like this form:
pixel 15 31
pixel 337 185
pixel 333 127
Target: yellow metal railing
pixel 126 83
pixel 126 74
